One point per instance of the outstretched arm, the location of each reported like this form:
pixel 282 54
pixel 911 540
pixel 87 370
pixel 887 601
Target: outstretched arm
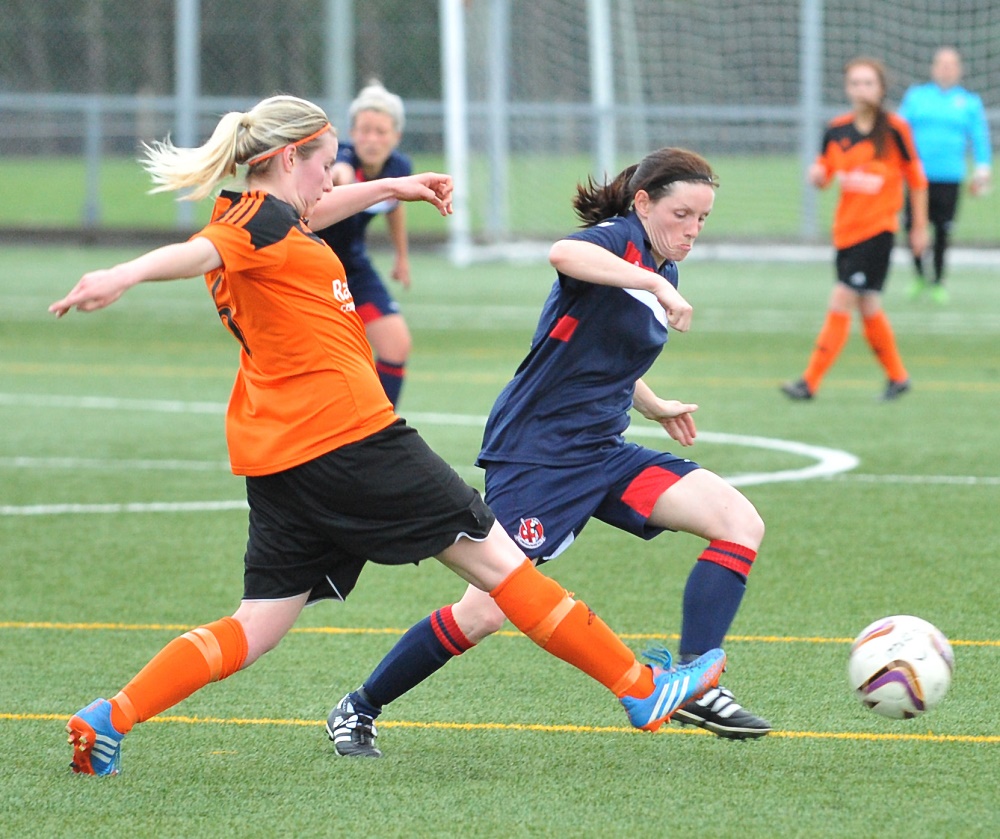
pixel 98 289
pixel 345 201
pixel 674 416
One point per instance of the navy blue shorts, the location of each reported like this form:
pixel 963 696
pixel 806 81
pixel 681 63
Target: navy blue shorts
pixel 544 508
pixel 371 298
pixel 864 266
pixel 387 499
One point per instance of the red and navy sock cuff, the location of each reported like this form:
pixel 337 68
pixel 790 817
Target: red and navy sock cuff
pixel 731 555
pixel 447 632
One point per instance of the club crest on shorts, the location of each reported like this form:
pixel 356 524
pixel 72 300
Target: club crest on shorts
pixel 531 533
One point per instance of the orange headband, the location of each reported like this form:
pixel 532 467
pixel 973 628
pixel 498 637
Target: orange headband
pixel 257 158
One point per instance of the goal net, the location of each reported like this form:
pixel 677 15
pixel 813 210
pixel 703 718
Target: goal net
pixel 556 90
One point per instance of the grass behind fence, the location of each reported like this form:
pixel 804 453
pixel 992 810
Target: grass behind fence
pixel 503 741
pixel 760 199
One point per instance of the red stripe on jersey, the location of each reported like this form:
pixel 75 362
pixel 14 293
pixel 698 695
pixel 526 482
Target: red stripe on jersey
pixel 729 555
pixel 647 486
pixel 564 328
pixel 632 255
pixel 447 632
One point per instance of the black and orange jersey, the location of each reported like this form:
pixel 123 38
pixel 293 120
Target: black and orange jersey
pixel 306 383
pixel 871 188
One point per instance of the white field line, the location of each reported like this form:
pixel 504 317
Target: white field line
pixel 828 462
pixel 528 251
pixel 949 480
pixel 93 464
pixel 136 507
pixel 110 403
pixel 747 320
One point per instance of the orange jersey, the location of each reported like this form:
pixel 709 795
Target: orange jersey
pixel 307 382
pixel 871 188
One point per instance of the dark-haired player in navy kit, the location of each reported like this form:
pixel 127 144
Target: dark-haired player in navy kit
pixel 554 451
pixel 376 128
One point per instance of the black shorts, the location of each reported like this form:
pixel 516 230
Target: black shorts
pixel 942 205
pixel 387 499
pixel 864 266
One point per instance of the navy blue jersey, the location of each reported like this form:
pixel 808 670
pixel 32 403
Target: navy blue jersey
pixel 347 237
pixel 573 391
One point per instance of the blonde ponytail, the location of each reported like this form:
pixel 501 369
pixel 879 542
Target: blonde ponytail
pixel 253 138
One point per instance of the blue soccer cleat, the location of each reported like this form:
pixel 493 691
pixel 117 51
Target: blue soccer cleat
pixel 97 744
pixel 673 687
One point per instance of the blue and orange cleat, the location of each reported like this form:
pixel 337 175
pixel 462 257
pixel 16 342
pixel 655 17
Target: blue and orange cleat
pixel 97 744
pixel 673 687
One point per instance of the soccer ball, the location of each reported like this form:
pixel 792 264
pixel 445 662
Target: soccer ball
pixel 900 666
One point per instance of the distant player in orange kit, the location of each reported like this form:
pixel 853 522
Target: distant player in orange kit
pixel 870 152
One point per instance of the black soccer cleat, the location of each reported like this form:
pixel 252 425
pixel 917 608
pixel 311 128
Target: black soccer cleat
pixel 797 390
pixel 353 734
pixel 893 390
pixel 719 712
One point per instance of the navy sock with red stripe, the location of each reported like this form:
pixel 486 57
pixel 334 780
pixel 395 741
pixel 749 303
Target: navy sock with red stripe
pixel 391 376
pixel 712 596
pixel 424 649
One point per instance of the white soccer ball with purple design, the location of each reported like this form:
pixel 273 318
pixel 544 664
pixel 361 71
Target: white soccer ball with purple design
pixel 900 666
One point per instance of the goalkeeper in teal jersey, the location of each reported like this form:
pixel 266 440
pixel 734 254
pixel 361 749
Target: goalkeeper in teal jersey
pixel 947 121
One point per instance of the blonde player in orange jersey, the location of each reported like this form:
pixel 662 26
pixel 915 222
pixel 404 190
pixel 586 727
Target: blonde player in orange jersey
pixel 334 477
pixel 870 152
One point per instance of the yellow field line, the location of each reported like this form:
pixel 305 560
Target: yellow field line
pixel 929 737
pixel 349 630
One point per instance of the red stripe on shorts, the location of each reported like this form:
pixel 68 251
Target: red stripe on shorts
pixel 647 486
pixel 564 328
pixel 369 312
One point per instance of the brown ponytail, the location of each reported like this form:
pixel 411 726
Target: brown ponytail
pixel 656 173
pixel 880 130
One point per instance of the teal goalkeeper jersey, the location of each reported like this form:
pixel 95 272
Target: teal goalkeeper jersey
pixel 946 125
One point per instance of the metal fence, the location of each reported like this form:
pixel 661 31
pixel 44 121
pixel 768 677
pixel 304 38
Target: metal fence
pixel 596 80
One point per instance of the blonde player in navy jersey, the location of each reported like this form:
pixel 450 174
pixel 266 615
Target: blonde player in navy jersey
pixel 377 120
pixel 554 451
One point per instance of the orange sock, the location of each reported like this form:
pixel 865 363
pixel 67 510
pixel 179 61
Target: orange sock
pixel 829 343
pixel 878 332
pixel 566 628
pixel 206 654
